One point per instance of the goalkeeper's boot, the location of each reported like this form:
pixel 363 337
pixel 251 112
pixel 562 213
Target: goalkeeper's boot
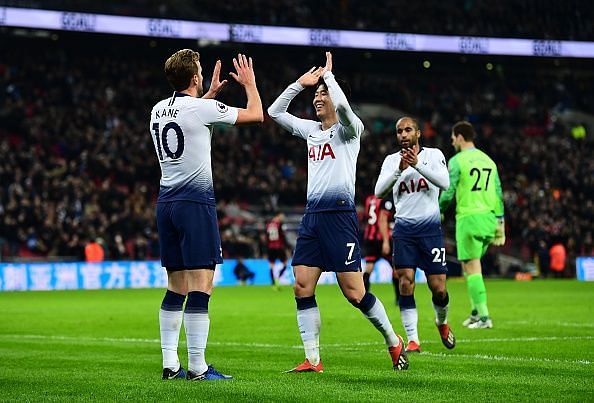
pixel 473 318
pixel 399 357
pixel 169 374
pixel 413 347
pixel 306 366
pixel 447 337
pixel 483 323
pixel 211 374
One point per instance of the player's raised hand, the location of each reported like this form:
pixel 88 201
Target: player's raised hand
pixel 328 66
pixel 216 85
pixel 244 68
pixel 311 77
pixel 409 156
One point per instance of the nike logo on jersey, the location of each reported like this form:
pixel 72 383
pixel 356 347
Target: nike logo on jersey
pixel 348 262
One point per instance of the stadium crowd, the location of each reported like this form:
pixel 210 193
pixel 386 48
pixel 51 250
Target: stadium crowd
pixel 77 163
pixel 570 19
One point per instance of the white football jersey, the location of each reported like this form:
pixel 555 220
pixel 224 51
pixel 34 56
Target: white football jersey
pixel 331 154
pixel 181 128
pixel 415 191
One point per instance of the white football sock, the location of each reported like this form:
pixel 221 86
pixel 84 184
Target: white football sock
pixel 410 317
pixel 309 323
pixel 197 325
pixel 170 325
pixel 441 314
pixel 378 317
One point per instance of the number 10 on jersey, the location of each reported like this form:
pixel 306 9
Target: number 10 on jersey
pixel 162 143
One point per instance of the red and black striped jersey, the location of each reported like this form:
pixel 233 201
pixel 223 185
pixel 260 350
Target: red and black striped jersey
pixel 372 211
pixel 275 236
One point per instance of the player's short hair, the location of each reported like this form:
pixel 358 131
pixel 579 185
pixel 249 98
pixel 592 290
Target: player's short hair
pixel 181 67
pixel 344 86
pixel 414 121
pixel 464 129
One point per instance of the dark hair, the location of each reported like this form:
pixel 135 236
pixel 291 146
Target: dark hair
pixel 181 67
pixel 464 129
pixel 344 86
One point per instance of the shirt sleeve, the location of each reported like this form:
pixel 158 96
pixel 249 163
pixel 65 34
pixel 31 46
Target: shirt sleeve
pixel 353 126
pixel 278 112
pixel 434 169
pixel 499 206
pixel 211 111
pixel 389 174
pixel 446 197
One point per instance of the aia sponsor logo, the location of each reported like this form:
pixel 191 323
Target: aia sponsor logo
pixel 319 152
pixel 413 186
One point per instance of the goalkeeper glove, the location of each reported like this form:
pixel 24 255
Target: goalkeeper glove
pixel 499 238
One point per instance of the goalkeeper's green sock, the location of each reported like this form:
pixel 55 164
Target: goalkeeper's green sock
pixel 478 294
pixel 472 305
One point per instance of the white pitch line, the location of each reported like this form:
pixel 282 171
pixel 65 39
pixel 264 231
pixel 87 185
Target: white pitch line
pixel 341 346
pixel 550 323
pixel 506 358
pixel 489 340
pixel 269 345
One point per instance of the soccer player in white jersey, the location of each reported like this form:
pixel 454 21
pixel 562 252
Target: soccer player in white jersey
pixel 181 128
pixel 415 175
pixel 328 235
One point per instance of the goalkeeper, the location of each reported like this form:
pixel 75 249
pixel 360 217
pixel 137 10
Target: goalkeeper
pixel 479 215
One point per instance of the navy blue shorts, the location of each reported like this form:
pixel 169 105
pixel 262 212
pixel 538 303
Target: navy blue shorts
pixel 330 241
pixel 188 235
pixel 426 253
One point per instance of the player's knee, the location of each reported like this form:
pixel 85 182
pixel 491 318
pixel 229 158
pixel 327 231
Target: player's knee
pixel 301 289
pixel 354 297
pixel 363 302
pixel 407 287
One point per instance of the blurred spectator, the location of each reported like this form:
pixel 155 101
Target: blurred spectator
pixel 94 252
pixel 558 256
pixel 242 273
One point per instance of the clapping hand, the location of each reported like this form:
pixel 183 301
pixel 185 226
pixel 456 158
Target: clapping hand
pixel 328 66
pixel 245 71
pixel 311 77
pixel 216 85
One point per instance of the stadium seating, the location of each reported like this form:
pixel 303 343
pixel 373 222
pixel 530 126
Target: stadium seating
pixel 77 163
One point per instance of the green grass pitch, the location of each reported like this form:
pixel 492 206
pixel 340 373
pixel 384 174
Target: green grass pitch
pixel 103 345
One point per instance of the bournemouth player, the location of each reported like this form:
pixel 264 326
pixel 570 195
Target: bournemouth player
pixel 479 215
pixel 415 175
pixel 276 245
pixel 328 237
pixel 376 236
pixel 181 127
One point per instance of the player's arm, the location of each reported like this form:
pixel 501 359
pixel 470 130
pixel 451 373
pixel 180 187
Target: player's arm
pixel 346 116
pixel 499 238
pixel 278 110
pixel 216 85
pixel 384 230
pixel 499 205
pixel 253 112
pixel 389 174
pixel 435 171
pixel 447 196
